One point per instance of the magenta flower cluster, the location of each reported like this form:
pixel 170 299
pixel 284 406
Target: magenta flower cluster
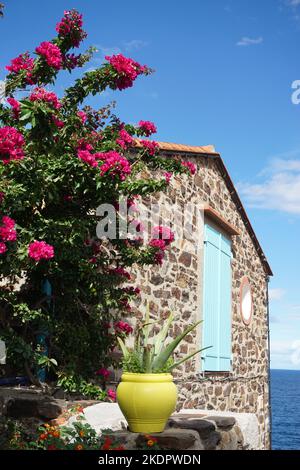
pixel 16 106
pixel 82 116
pixel 147 127
pixel 115 164
pixel 11 144
pixel 150 146
pixel 124 140
pixel 162 237
pixel 38 250
pixel 88 157
pixel 70 28
pixel 8 233
pixel 22 62
pixel 123 327
pixel 127 69
pixel 110 162
pixel 71 61
pixel 51 53
pixel 119 271
pixel 40 94
pixel 103 372
pixel 190 166
pixel 111 394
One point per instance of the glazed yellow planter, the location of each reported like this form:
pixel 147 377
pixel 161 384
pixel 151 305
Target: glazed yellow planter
pixel 147 401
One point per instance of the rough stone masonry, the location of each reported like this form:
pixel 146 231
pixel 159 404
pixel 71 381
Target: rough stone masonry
pixel 177 286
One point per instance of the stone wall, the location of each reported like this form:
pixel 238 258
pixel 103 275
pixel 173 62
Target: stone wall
pixel 177 286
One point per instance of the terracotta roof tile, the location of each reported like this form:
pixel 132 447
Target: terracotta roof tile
pixel 206 149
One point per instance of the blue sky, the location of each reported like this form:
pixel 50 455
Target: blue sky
pixel 224 70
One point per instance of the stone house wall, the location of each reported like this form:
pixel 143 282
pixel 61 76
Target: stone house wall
pixel 177 286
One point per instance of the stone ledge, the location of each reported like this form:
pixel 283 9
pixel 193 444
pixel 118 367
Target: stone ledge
pixel 191 433
pixel 186 430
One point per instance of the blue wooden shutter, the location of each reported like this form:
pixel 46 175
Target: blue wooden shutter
pixel 217 301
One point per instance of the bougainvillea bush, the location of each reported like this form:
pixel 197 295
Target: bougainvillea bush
pixel 62 288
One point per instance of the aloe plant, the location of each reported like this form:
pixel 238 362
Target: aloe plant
pixel 150 353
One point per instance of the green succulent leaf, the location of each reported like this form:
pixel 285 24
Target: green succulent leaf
pixel 160 360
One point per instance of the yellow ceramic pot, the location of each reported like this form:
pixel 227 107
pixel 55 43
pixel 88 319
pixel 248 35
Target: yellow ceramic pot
pixel 147 400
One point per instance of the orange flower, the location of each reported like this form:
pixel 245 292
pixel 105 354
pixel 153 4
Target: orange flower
pixel 150 443
pixel 43 437
pixel 55 433
pixel 81 433
pixel 79 447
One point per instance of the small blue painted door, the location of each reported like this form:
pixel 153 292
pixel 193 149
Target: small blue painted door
pixel 216 301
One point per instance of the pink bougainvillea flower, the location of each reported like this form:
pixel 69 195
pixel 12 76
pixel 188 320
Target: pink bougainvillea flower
pixel 11 144
pixel 156 243
pixel 38 250
pixel 71 61
pixel 3 248
pixel 51 53
pixel 16 106
pixel 163 233
pixel 150 145
pixel 124 140
pixel 22 62
pixel 132 290
pixel 7 230
pixel 114 164
pixel 84 145
pixel 82 116
pixel 40 94
pixel 105 373
pixel 87 157
pixel 60 124
pixel 127 69
pixel 168 176
pixel 159 257
pixel 112 394
pixel 147 127
pixel 119 271
pixel 190 166
pixel 123 327
pixel 70 28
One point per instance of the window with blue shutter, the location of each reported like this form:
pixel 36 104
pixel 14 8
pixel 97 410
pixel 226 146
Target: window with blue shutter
pixel 216 301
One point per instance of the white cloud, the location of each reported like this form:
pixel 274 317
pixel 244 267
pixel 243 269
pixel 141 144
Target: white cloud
pixel 246 41
pixel 134 44
pixel 108 50
pixel 276 294
pixel 295 357
pixel 286 351
pixel 279 190
pixel 293 3
pixel 282 348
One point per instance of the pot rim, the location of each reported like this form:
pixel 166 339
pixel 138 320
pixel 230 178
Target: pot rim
pixel 143 377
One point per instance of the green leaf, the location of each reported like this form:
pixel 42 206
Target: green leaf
pixel 160 338
pixel 176 364
pixel 125 351
pixel 161 360
pixel 25 116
